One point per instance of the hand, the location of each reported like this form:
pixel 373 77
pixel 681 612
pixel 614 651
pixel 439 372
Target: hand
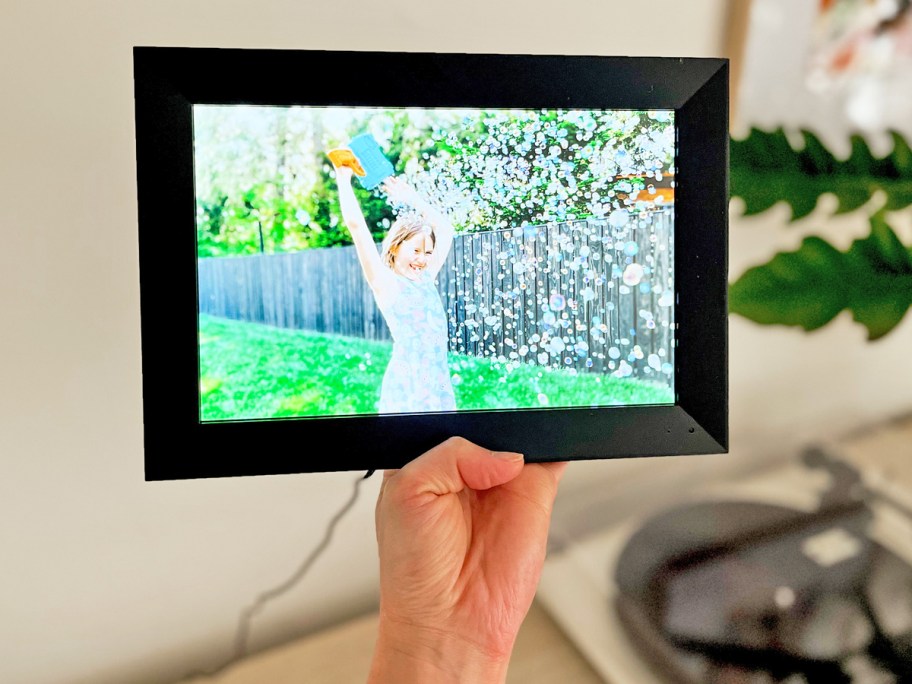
pixel 399 191
pixel 344 174
pixel 462 534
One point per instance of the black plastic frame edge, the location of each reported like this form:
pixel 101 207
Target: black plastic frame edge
pixel 168 81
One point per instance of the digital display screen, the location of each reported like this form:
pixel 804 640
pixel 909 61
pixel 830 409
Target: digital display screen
pixel 358 261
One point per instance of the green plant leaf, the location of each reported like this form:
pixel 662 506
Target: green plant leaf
pixel 805 288
pixel 766 169
pixel 811 286
pixel 881 269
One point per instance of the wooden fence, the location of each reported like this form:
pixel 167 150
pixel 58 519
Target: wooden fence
pixel 590 295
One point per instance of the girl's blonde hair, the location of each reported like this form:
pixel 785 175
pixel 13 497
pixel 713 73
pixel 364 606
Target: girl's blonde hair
pixel 402 230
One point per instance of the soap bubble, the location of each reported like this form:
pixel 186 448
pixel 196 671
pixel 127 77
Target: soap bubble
pixel 633 274
pixel 631 248
pixel 624 370
pixel 543 399
pixel 619 218
pixel 614 353
pixel 557 302
pixel 654 361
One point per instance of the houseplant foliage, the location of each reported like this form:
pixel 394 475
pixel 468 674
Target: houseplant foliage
pixel 812 285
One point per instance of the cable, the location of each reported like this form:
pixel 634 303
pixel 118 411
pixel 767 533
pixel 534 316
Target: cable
pixel 243 630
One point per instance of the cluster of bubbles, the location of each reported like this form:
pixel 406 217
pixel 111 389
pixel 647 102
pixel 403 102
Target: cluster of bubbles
pixel 549 165
pixel 564 296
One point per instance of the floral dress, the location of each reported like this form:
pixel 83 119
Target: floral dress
pixel 417 378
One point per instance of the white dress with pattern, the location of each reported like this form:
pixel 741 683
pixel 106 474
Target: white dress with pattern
pixel 417 378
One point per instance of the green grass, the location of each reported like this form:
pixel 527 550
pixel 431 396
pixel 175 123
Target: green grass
pixel 248 370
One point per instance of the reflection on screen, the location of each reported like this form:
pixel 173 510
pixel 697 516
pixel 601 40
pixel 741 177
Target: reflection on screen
pixel 364 261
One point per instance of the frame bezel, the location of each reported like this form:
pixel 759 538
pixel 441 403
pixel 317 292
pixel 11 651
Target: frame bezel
pixel 169 81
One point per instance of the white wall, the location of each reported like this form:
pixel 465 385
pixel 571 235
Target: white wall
pixel 105 578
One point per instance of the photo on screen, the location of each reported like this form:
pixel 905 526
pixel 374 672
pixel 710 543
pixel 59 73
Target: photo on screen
pixel 358 261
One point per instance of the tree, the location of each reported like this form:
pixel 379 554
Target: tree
pixel 503 169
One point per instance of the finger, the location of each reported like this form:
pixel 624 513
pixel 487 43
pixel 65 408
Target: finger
pixel 387 474
pixel 556 469
pixel 455 465
pixel 542 478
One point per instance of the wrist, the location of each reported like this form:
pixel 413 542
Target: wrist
pixel 406 654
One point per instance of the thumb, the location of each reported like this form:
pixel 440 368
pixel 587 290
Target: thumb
pixel 455 465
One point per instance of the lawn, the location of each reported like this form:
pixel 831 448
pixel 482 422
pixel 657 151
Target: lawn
pixel 248 370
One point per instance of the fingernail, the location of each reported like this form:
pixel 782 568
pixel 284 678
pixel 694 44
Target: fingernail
pixel 508 455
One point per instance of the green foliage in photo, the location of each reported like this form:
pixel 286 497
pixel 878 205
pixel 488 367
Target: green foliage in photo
pixel 505 168
pixel 265 185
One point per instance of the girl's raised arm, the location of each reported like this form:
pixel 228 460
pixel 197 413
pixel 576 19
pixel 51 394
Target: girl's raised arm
pixel 377 275
pixel 398 190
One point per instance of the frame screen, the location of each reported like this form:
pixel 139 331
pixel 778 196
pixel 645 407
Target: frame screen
pixel 527 251
pixel 547 280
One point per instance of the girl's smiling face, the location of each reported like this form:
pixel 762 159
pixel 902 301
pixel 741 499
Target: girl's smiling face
pixel 412 256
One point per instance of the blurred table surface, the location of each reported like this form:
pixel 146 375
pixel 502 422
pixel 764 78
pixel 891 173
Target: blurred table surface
pixel 543 654
pixel 884 453
pixel 342 655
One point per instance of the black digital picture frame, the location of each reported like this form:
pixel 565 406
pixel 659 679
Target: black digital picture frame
pixel 532 96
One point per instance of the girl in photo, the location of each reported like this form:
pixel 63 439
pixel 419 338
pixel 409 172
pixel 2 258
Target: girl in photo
pixel 402 277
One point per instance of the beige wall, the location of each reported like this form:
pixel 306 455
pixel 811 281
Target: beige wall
pixel 105 578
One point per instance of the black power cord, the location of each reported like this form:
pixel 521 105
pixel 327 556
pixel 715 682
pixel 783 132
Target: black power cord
pixel 246 616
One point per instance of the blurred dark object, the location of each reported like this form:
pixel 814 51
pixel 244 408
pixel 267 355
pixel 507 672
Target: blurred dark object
pixel 741 592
